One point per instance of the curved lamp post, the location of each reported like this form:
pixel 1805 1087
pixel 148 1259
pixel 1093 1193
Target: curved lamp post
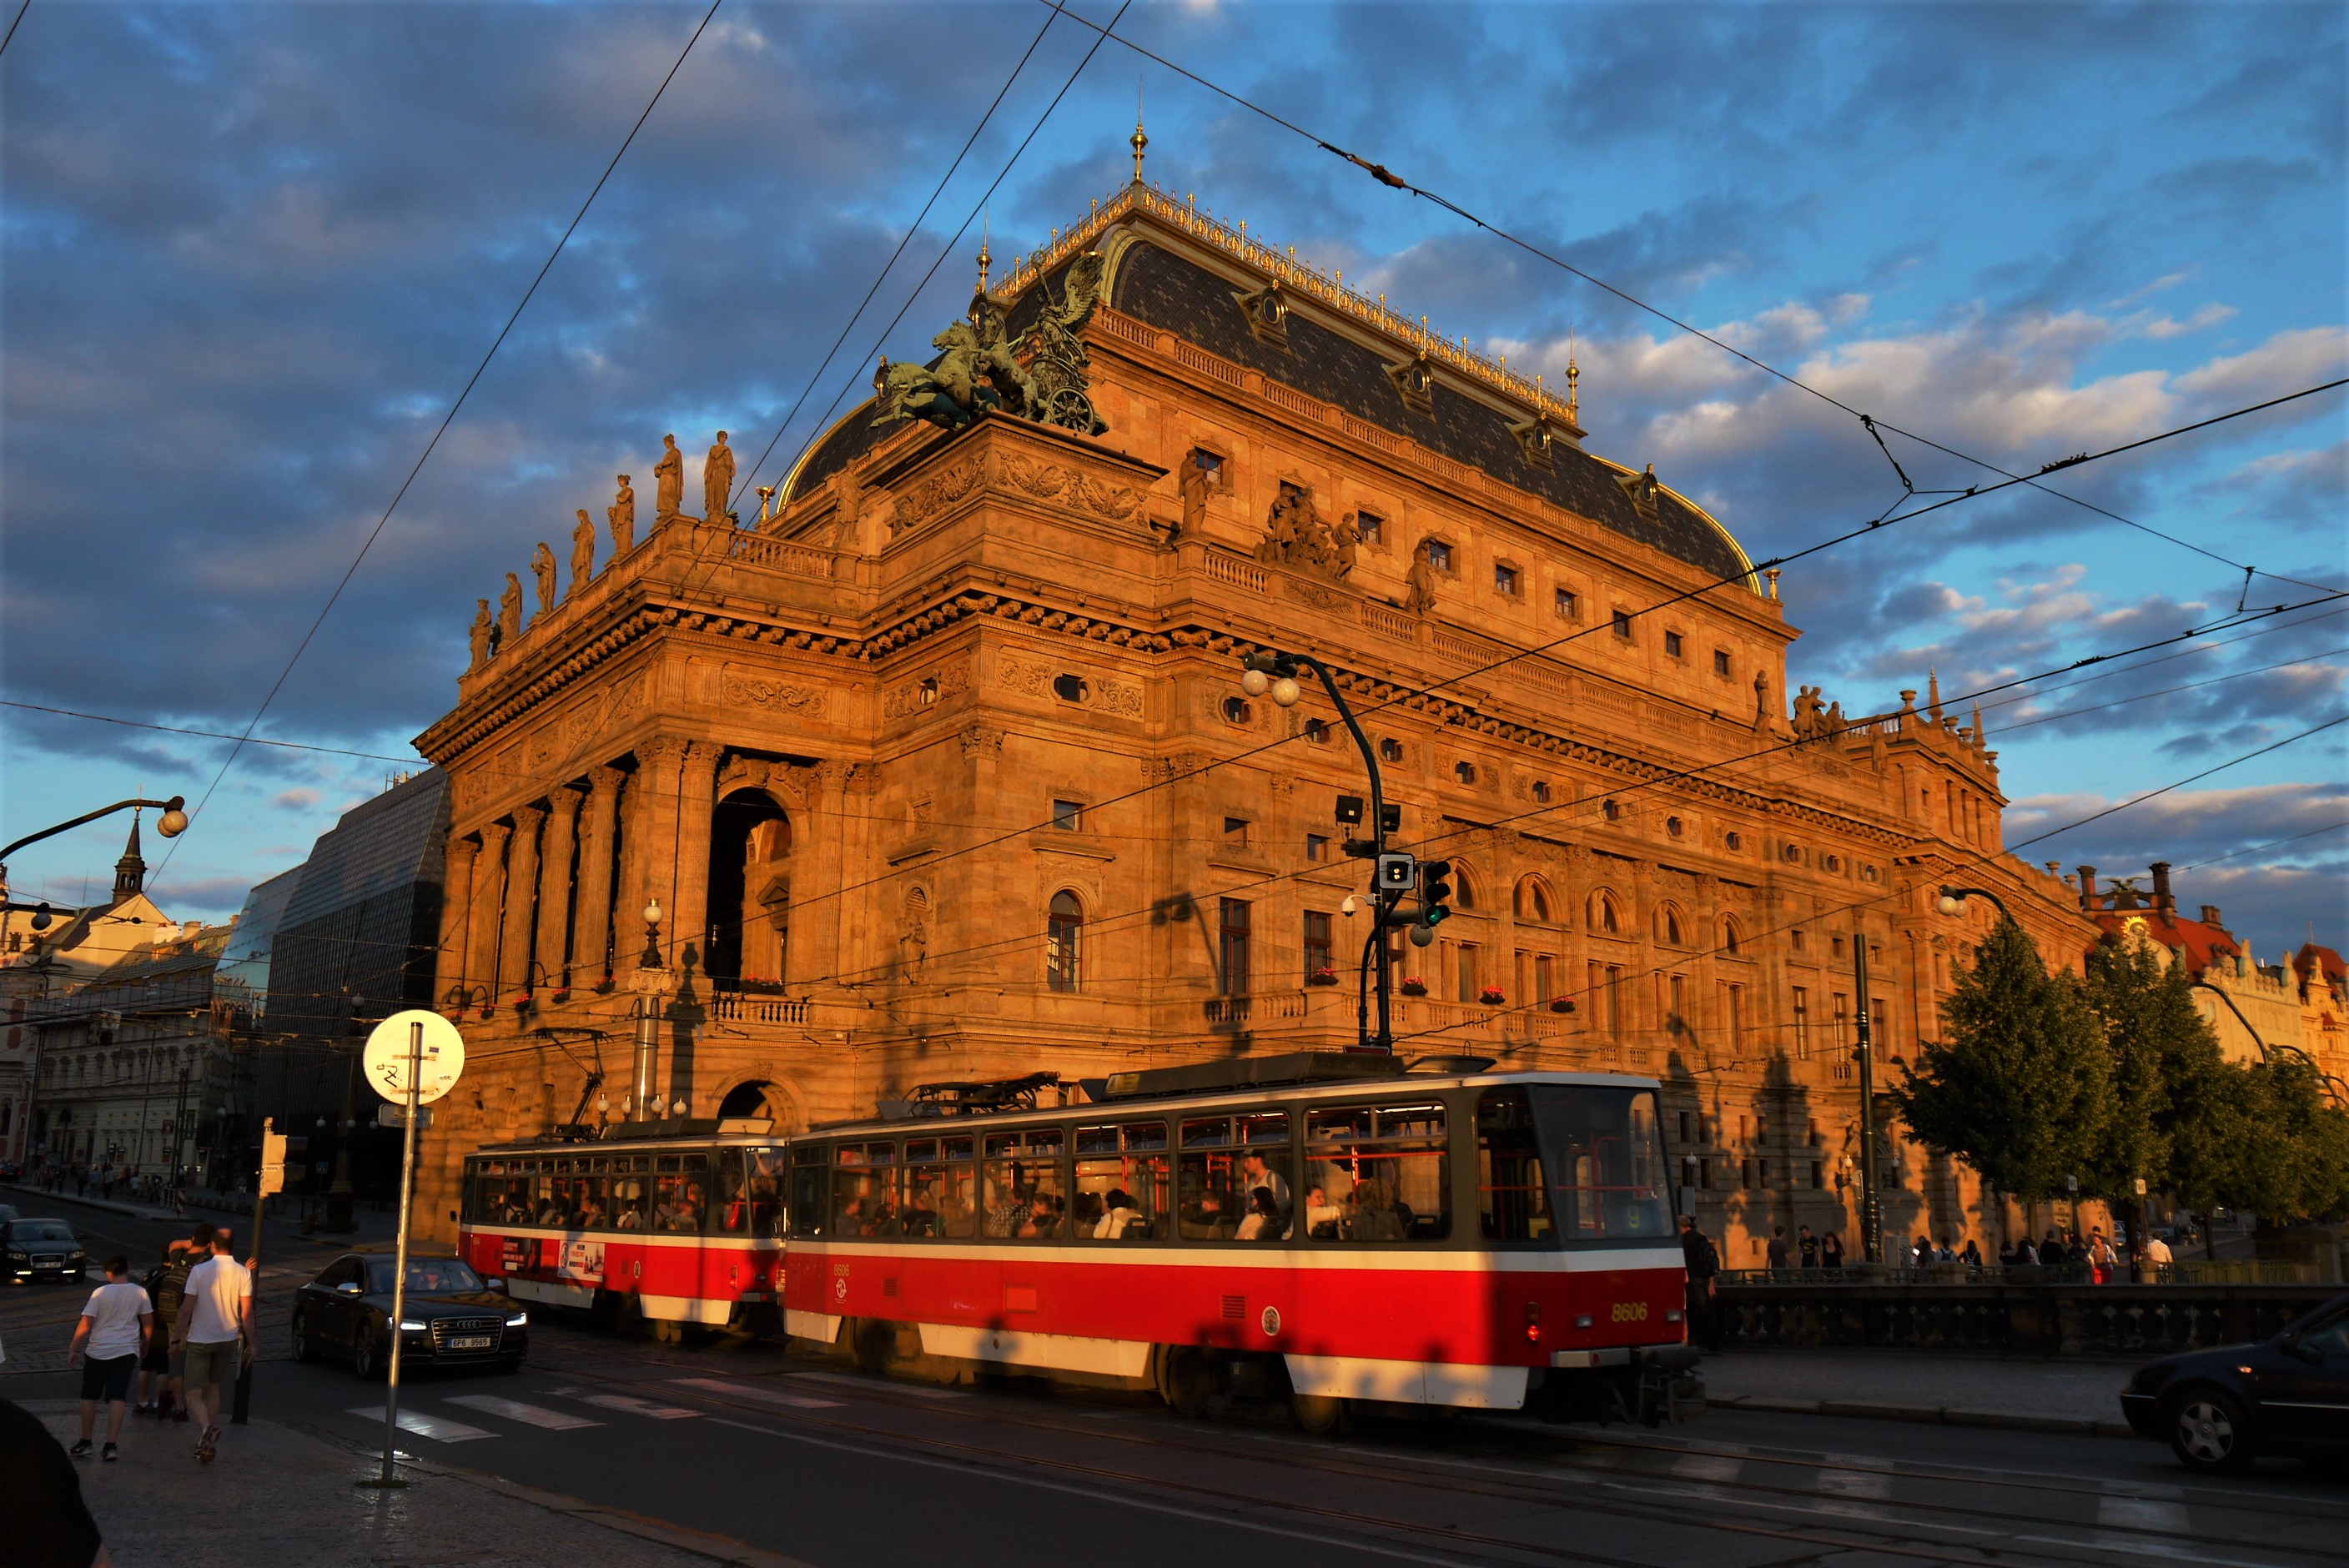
pixel 1954 900
pixel 171 824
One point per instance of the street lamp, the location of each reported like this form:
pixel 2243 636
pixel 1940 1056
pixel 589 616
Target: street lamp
pixel 646 981
pixel 171 824
pixel 1954 900
pixel 1275 674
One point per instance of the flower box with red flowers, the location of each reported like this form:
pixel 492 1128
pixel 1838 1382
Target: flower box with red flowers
pixel 760 984
pixel 1412 985
pixel 561 997
pixel 1561 1003
pixel 1491 995
pixel 1322 976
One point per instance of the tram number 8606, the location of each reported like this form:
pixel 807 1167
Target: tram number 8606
pixel 1630 1311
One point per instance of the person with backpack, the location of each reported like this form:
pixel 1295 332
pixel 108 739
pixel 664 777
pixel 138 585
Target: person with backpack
pixel 162 1390
pixel 1702 1262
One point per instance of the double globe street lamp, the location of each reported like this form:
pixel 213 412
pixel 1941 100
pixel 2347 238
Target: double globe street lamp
pixel 171 824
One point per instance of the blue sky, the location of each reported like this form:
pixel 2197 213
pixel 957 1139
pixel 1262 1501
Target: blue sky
pixel 251 251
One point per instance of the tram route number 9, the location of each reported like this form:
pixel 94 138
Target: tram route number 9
pixel 1630 1311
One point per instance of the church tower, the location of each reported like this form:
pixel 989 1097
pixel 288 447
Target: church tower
pixel 131 870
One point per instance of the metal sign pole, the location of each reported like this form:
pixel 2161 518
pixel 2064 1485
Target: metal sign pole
pixel 1871 1207
pixel 400 1264
pixel 241 1401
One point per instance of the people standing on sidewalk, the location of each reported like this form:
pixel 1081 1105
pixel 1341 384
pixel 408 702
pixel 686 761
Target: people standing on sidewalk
pixel 1807 1247
pixel 2103 1260
pixel 216 1327
pixel 1831 1250
pixel 1776 1250
pixel 116 1321
pixel 1702 1261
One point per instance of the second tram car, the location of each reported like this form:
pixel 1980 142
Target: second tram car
pixel 1329 1225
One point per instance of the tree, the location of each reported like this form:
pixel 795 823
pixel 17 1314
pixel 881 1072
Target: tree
pixel 2020 1084
pixel 2293 1162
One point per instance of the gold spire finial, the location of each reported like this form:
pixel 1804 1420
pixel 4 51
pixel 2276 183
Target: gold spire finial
pixel 986 225
pixel 1139 139
pixel 1573 383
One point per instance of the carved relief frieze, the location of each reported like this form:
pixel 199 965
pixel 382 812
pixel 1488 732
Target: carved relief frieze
pixel 927 690
pixel 1025 676
pixel 981 739
pixel 744 686
pixel 1318 595
pixel 1161 769
pixel 1042 480
pixel 1122 699
pixel 935 494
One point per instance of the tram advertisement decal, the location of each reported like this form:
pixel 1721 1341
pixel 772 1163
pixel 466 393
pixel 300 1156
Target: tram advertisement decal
pixel 582 1261
pixel 519 1255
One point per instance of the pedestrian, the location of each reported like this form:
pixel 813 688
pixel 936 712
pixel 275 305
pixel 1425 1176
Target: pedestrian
pixel 1807 1247
pixel 114 1325
pixel 1831 1250
pixel 216 1327
pixel 1702 1262
pixel 168 1288
pixel 1921 1253
pixel 1776 1250
pixel 2103 1262
pixel 1970 1255
pixel 2156 1251
pixel 50 1526
pixel 2025 1254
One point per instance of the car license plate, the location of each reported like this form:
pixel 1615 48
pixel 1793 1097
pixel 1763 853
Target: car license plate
pixel 471 1342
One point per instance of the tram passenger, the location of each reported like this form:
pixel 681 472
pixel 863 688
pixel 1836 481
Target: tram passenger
pixel 632 1211
pixel 1321 1216
pixel 1255 1173
pixel 1009 1219
pixel 1043 1218
pixel 886 1220
pixel 1262 1222
pixel 961 1220
pixel 921 1212
pixel 1086 1211
pixel 591 1215
pixel 1375 1214
pixel 1119 1212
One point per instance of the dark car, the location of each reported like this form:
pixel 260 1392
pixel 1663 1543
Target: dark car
pixel 39 1249
pixel 451 1316
pixel 2221 1408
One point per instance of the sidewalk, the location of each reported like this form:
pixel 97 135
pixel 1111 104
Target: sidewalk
pixel 2081 1398
pixel 277 1494
pixel 368 1225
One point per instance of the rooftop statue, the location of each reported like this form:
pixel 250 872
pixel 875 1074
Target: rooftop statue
pixel 1041 374
pixel 583 552
pixel 718 480
pixel 541 566
pixel 622 515
pixel 668 481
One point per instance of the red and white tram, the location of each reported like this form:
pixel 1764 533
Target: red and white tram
pixel 677 1223
pixel 1331 1226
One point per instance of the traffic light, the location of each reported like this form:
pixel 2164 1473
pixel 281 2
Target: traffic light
pixel 1432 890
pixel 1397 872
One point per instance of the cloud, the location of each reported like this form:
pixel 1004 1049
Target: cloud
pixel 298 799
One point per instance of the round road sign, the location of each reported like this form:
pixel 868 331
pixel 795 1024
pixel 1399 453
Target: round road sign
pixel 389 1047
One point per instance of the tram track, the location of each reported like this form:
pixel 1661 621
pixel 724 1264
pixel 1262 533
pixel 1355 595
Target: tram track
pixel 1837 1514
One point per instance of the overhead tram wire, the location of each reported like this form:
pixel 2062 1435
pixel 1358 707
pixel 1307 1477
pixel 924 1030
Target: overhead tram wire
pixel 1406 693
pixel 12 25
pixel 1872 424
pixel 2271 844
pixel 1980 860
pixel 2166 691
pixel 446 420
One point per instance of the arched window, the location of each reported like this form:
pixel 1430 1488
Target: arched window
pixel 1464 887
pixel 1668 926
pixel 1733 938
pixel 1061 928
pixel 1604 918
pixel 1533 900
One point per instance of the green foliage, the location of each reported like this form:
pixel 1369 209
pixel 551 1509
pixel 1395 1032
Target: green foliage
pixel 2293 1161
pixel 2019 1086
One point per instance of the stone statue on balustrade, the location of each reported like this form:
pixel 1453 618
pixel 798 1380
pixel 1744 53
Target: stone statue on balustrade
pixel 1815 720
pixel 1419 586
pixel 1296 534
pixel 510 611
pixel 541 566
pixel 583 552
pixel 717 482
pixel 669 481
pixel 484 634
pixel 622 515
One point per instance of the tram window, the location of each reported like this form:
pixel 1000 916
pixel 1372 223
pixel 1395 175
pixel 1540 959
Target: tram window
pixel 1026 1198
pixel 732 1214
pixel 592 1184
pixel 1122 1183
pixel 764 1187
pixel 1512 1200
pixel 939 1201
pixel 1378 1173
pixel 681 1191
pixel 811 1184
pixel 1226 1162
pixel 1208 1133
pixel 1605 1154
pixel 864 1190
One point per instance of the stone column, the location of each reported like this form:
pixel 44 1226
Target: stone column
pixel 653 852
pixel 555 887
pixel 489 872
pixel 522 895
pixel 598 830
pixel 697 791
pixel 456 919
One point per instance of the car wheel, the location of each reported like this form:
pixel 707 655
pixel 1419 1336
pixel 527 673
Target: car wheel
pixel 2209 1432
pixel 303 1348
pixel 366 1360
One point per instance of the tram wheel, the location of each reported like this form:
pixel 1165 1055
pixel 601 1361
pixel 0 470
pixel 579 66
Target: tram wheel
pixel 1318 1414
pixel 873 1343
pixel 1185 1380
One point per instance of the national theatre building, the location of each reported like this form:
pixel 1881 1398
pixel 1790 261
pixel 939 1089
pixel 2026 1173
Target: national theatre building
pixel 941 769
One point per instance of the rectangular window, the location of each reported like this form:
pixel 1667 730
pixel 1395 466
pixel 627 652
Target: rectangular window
pixel 1563 604
pixel 941 1196
pixel 1370 527
pixel 1210 465
pixel 1679 1002
pixel 1735 1022
pixel 1802 1023
pixel 1025 1201
pixel 1505 580
pixel 1671 645
pixel 1465 955
pixel 1317 846
pixel 1721 663
pixel 1623 625
pixel 1818 1176
pixel 1512 1198
pixel 1439 555
pixel 1236 832
pixel 864 1190
pixel 1525 975
pixel 1068 815
pixel 1122 1192
pixel 1378 1173
pixel 1231 946
pixel 1604 1152
pixel 1607 996
pixel 1233 1183
pixel 1684 1129
pixel 1319 942
pixel 1842 1019
pixel 1545 978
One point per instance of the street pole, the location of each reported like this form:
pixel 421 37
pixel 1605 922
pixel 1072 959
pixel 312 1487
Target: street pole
pixel 260 1196
pixel 1871 1209
pixel 400 1255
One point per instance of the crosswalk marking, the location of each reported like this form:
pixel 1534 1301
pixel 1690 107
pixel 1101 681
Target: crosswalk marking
pixel 636 1406
pixel 1873 1485
pixel 2140 1513
pixel 439 1429
pixel 866 1385
pixel 744 1390
pixel 1708 1467
pixel 529 1415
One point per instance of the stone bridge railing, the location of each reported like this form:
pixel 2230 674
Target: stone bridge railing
pixel 2015 1319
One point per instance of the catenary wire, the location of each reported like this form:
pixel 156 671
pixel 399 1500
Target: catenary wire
pixel 2166 691
pixel 446 420
pixel 5 42
pixel 2271 843
pixel 1388 178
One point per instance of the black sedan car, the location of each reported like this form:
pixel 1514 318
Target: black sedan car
pixel 451 1316
pixel 33 1250
pixel 2220 1409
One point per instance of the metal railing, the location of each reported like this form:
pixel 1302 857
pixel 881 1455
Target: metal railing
pixel 2240 1271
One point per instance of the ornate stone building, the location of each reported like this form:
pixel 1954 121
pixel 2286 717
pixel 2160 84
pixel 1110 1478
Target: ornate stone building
pixel 943 769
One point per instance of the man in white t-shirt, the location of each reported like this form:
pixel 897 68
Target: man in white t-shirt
pixel 112 1331
pixel 216 1324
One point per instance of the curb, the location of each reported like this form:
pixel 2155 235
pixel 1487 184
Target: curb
pixel 1925 1415
pixel 136 1211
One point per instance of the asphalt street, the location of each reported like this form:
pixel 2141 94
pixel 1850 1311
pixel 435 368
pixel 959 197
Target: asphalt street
pixel 805 1458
